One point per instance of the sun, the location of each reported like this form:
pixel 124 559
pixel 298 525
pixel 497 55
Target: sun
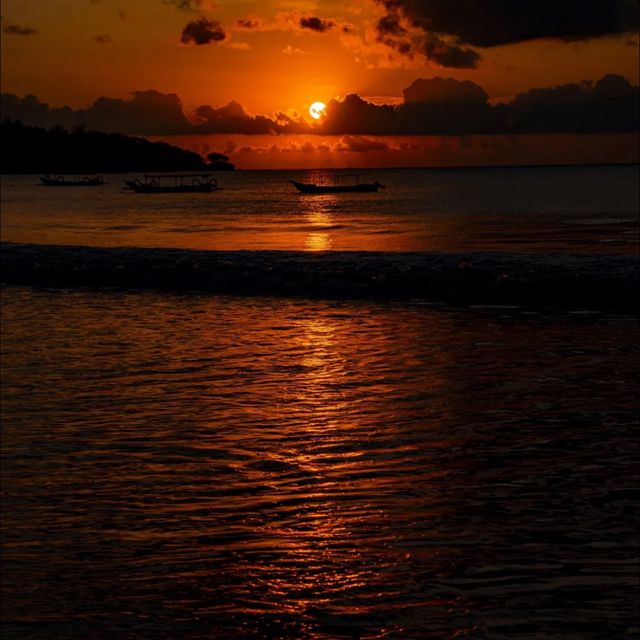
pixel 317 109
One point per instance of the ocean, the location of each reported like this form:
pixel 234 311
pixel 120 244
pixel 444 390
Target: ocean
pixel 321 441
pixel 533 210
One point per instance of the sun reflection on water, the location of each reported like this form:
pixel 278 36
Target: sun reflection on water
pixel 299 469
pixel 317 211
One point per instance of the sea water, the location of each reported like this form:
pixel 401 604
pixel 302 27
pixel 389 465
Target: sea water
pixel 185 465
pixel 540 210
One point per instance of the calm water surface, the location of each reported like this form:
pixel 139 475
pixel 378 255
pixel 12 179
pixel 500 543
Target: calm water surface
pixel 563 209
pixel 215 467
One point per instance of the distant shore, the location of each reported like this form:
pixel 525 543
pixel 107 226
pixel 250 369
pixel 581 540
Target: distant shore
pixel 564 281
pixel 33 150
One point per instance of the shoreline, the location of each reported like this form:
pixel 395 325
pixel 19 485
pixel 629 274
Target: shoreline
pixel 564 281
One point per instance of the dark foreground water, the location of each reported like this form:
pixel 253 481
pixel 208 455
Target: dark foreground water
pixel 191 466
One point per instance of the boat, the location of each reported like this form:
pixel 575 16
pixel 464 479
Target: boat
pixel 173 183
pixel 355 187
pixel 75 181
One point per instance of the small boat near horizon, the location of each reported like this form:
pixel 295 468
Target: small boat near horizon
pixel 355 187
pixel 61 180
pixel 173 183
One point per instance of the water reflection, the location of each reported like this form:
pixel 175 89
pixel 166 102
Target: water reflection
pixel 309 470
pixel 325 553
pixel 316 210
pixel 580 210
pixel 318 240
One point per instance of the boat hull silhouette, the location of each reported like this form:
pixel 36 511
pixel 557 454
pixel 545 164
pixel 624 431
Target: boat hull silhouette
pixel 61 181
pixel 173 183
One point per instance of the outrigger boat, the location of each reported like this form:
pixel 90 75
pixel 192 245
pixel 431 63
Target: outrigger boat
pixel 173 183
pixel 75 181
pixel 336 187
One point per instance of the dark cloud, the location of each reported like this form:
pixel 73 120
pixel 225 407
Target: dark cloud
pixel 35 113
pixel 145 113
pixel 232 118
pixel 433 47
pixel 185 5
pixel 353 115
pixel 316 24
pixel 444 91
pixel 610 104
pixel 360 144
pixel 19 30
pixel 435 106
pixel 247 23
pixel 229 119
pixel 394 35
pixel 202 31
pixel 445 54
pixel 450 107
pixel 102 39
pixel 149 113
pixel 389 25
pixel 446 106
pixel 487 23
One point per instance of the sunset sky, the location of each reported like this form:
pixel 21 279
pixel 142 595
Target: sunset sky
pixel 169 65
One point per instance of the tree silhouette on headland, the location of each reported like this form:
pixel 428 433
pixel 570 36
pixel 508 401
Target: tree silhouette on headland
pixel 219 161
pixel 56 150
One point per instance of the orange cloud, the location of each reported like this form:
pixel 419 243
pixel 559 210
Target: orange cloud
pixel 293 51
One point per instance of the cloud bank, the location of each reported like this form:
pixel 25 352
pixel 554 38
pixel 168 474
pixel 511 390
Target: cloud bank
pixel 435 106
pixel 445 32
pixel 496 22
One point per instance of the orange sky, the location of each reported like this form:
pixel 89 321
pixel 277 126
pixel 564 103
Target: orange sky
pixel 279 68
pixel 74 51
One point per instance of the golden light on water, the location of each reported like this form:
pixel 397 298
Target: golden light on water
pixel 320 223
pixel 319 238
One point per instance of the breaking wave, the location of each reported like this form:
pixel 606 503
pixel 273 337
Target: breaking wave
pixel 467 278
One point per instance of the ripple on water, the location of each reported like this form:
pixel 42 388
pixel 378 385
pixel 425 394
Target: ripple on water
pixel 211 467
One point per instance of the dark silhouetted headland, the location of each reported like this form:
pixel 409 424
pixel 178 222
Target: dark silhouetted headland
pixel 56 150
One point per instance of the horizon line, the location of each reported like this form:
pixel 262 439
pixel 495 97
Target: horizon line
pixel 405 168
